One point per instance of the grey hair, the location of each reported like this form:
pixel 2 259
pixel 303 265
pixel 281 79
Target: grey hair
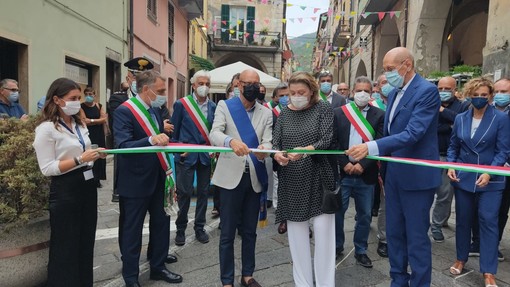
pixel 363 79
pixel 281 86
pixel 147 78
pixel 200 74
pixel 325 74
pixel 4 82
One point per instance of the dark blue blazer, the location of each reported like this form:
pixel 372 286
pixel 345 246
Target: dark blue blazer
pixel 185 131
pixel 413 135
pixel 490 145
pixel 139 175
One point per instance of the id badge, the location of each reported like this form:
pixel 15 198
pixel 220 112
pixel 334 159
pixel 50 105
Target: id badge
pixel 88 174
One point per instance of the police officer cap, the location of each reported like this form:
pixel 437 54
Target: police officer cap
pixel 138 64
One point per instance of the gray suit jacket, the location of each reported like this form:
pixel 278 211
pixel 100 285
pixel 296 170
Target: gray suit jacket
pixel 230 167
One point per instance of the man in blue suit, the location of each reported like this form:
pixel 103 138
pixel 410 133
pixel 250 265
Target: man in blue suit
pixel 141 181
pixel 192 118
pixel 410 129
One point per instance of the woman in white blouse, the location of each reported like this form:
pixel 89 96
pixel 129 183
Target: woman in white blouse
pixel 63 151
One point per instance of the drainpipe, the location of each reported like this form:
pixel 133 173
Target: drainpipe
pixel 404 42
pixel 131 33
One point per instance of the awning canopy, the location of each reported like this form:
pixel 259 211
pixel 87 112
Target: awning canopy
pixel 221 77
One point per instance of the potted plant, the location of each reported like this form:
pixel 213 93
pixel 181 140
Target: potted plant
pixel 24 224
pixel 262 41
pixel 264 31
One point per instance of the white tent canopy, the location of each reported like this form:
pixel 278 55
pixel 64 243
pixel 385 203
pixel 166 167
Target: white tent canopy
pixel 220 77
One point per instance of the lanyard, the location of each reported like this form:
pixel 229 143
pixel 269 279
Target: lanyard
pixel 80 138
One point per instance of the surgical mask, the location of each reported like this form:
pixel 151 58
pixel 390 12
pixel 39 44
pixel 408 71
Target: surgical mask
pixel 376 96
pixel 230 95
pixel 326 87
pixel 361 98
pixel 394 78
pixel 479 102
pixel 89 99
pixel 13 97
pixel 386 89
pixel 251 92
pixel 299 102
pixel 500 99
pixel 202 91
pixel 445 96
pixel 133 87
pixel 71 107
pixel 284 101
pixel 159 101
pixel 237 92
pixel 261 96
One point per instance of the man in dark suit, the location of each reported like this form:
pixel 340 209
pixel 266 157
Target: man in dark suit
pixel 141 182
pixel 325 80
pixel 410 129
pixel 358 177
pixel 193 117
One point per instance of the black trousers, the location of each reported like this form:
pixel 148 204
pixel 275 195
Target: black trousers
pixel 73 219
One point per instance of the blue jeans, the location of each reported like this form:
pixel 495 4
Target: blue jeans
pixel 363 195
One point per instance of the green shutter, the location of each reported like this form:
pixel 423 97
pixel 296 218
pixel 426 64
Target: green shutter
pixel 250 27
pixel 225 16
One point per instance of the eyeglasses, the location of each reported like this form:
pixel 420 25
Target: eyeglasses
pixel 12 90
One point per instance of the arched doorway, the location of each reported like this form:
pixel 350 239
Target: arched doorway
pixel 362 69
pixel 243 57
pixel 389 38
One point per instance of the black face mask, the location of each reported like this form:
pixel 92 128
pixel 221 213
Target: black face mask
pixel 261 96
pixel 251 92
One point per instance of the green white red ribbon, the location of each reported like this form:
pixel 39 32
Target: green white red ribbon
pixel 180 148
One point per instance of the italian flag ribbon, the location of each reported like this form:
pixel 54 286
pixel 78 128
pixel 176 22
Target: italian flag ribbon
pixel 197 116
pixel 180 148
pixel 323 96
pixel 358 121
pixel 378 104
pixel 270 105
pixel 277 110
pixel 143 117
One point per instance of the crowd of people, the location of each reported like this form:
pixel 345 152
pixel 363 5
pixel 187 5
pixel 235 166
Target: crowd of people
pixel 399 115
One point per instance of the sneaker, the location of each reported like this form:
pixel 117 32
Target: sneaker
pixel 363 260
pixel 501 258
pixel 438 236
pixel 474 250
pixel 180 238
pixel 201 236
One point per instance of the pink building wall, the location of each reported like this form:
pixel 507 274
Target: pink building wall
pixel 151 41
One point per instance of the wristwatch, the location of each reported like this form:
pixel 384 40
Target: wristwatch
pixel 91 120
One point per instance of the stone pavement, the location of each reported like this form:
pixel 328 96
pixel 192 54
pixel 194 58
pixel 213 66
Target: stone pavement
pixel 199 265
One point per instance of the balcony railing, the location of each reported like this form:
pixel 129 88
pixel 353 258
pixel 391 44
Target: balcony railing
pixel 225 37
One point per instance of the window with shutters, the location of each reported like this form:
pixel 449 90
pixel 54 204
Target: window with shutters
pixel 152 11
pixel 171 30
pixel 236 21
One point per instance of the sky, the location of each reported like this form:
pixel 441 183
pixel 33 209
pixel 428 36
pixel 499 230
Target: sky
pixel 307 25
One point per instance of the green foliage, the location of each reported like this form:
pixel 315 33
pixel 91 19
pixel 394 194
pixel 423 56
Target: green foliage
pixel 23 188
pixel 302 47
pixel 466 69
pixel 438 74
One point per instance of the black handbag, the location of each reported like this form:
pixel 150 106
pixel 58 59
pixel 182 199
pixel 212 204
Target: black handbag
pixel 331 196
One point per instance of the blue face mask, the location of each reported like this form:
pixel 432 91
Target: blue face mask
pixel 237 93
pixel 89 99
pixel 159 101
pixel 394 78
pixel 284 101
pixel 502 100
pixel 13 97
pixel 376 96
pixel 386 89
pixel 445 96
pixel 326 87
pixel 479 102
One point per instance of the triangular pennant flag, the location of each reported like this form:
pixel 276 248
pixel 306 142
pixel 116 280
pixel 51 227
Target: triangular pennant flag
pixel 215 28
pixel 284 21
pixel 246 35
pixel 392 13
pixel 223 30
pixel 291 20
pixel 239 22
pixel 353 13
pixel 324 18
pixel 313 18
pixel 206 26
pixel 232 31
pixel 315 10
pixel 307 45
pixel 302 8
pixel 266 21
pixel 337 17
pixel 397 13
pixel 381 15
pixel 300 20
pixel 364 15
pixel 214 23
pixel 240 33
pixel 289 5
pixel 264 1
pixel 330 12
pixel 334 48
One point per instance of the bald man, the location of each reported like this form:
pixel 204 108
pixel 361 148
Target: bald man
pixel 343 90
pixel 241 123
pixel 449 109
pixel 410 129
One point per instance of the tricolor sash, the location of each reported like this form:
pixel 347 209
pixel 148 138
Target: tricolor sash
pixel 277 110
pixel 378 104
pixel 323 96
pixel 270 105
pixel 358 121
pixel 143 118
pixel 197 116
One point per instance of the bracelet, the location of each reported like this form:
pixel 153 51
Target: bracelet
pixel 76 162
pixel 80 160
pixel 91 120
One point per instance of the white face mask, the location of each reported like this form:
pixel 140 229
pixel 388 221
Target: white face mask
pixel 299 102
pixel 361 98
pixel 71 107
pixel 202 91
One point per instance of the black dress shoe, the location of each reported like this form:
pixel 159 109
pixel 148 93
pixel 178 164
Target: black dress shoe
pixel 363 260
pixel 165 275
pixel 170 259
pixel 135 284
pixel 382 249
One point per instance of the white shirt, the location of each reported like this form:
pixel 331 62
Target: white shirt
pixel 203 107
pixel 474 126
pixel 354 136
pixel 52 146
pixel 330 97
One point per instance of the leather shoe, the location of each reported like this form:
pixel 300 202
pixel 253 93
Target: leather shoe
pixel 170 259
pixel 165 275
pixel 135 284
pixel 382 250
pixel 363 260
pixel 250 283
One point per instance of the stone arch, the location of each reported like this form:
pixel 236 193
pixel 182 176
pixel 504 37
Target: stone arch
pixel 389 38
pixel 246 58
pixel 362 69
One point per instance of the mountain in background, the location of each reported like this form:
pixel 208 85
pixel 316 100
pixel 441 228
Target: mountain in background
pixel 302 47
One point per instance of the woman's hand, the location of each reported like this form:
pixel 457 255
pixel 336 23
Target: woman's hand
pixel 298 156
pixel 483 180
pixel 452 175
pixel 90 155
pixel 281 159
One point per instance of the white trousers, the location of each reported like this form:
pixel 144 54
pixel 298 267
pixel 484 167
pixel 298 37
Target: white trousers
pixel 275 189
pixel 324 252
